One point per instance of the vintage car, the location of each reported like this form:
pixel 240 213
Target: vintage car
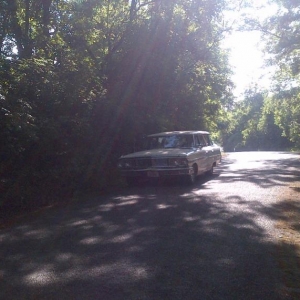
pixel 172 154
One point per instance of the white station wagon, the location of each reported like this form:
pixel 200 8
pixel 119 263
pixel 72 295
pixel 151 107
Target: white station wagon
pixel 172 154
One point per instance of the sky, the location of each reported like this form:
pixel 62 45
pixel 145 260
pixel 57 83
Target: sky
pixel 246 52
pixel 247 61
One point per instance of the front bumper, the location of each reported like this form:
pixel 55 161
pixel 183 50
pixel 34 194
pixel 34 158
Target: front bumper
pixel 150 173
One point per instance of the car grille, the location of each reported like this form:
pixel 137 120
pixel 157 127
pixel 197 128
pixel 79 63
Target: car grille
pixel 160 162
pixel 142 163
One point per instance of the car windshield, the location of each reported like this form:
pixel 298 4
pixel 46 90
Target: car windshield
pixel 170 141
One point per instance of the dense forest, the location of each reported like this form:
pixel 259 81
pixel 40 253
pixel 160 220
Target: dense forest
pixel 82 81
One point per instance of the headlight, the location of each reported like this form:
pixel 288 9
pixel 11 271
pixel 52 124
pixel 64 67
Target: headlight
pixel 178 162
pixel 126 163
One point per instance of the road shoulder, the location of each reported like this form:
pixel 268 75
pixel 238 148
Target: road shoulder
pixel 289 238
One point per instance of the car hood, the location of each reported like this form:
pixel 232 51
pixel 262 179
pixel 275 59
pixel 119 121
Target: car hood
pixel 173 152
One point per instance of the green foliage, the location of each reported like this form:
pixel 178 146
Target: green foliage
pixel 287 113
pixel 282 33
pixel 254 126
pixel 82 81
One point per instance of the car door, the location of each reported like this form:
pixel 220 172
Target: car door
pixel 212 151
pixel 202 154
pixel 208 151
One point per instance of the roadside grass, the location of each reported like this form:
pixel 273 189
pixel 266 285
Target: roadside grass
pixel 289 239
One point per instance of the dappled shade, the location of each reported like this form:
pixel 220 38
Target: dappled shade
pixel 156 242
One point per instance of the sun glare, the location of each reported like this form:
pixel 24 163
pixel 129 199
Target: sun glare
pixel 246 51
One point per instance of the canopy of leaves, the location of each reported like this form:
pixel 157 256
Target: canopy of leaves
pixel 253 125
pixel 282 33
pixel 81 81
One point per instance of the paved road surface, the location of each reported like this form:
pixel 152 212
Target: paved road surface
pixel 215 240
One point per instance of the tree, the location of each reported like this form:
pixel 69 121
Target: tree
pixel 82 80
pixel 253 125
pixel 282 32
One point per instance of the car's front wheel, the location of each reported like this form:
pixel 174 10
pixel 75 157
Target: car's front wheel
pixel 191 178
pixel 210 172
pixel 132 181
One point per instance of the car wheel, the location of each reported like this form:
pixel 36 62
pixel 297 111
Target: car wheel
pixel 191 178
pixel 132 181
pixel 210 172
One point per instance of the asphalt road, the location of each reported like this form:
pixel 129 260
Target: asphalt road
pixel 214 240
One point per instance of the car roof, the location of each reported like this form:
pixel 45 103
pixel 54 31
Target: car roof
pixel 178 132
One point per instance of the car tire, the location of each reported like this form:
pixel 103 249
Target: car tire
pixel 132 181
pixel 210 172
pixel 191 178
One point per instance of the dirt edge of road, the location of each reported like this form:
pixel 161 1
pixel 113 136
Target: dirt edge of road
pixel 289 238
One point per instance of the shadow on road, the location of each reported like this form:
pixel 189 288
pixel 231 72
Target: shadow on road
pixel 150 242
pixel 264 173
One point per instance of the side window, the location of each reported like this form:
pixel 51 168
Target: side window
pixel 210 141
pixel 207 139
pixel 196 141
pixel 201 141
